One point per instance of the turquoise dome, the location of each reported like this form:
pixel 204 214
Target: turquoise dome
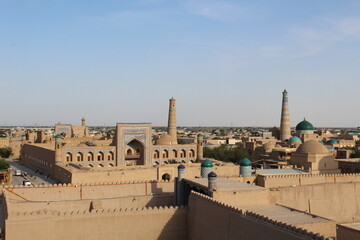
pixel 304 125
pixel 294 139
pixel 58 136
pixel 206 163
pixel 245 162
pixel 333 141
pixel 321 142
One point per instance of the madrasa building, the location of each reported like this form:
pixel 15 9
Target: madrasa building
pixel 132 146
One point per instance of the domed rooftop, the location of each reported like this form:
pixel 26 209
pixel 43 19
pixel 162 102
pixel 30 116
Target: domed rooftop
pixel 164 140
pixel 333 141
pixel 312 146
pixel 245 162
pixel 294 139
pixel 181 166
pixel 321 142
pixel 304 125
pixel 212 175
pixel 206 163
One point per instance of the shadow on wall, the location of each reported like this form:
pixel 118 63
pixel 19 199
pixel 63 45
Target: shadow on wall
pixel 160 201
pixel 176 227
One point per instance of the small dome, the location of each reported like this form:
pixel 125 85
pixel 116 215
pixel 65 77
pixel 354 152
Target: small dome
pixel 304 125
pixel 321 142
pixel 312 146
pixel 181 166
pixel 58 136
pixel 206 163
pixel 269 145
pixel 294 139
pixel 164 140
pixel 245 162
pixel 333 141
pixel 212 175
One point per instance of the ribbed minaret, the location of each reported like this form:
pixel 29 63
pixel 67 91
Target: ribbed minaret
pixel 83 122
pixel 285 133
pixel 172 121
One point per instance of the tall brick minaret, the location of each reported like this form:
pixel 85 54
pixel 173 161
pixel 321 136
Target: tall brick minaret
pixel 285 133
pixel 172 121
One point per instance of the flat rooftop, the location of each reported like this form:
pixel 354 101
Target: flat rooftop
pixel 355 226
pixel 223 184
pixel 280 171
pixel 287 215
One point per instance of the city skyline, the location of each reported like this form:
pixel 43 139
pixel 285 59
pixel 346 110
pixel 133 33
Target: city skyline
pixel 225 62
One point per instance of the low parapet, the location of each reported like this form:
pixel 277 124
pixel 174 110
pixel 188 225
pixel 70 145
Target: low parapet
pixel 85 184
pixel 286 180
pixel 261 218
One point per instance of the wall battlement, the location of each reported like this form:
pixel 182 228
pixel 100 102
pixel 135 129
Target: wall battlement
pixel 103 212
pixel 261 218
pixel 275 181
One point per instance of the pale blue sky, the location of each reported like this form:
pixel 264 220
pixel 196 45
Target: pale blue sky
pixel 224 61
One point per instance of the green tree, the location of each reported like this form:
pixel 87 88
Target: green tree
pixel 227 154
pixel 4 164
pixel 6 152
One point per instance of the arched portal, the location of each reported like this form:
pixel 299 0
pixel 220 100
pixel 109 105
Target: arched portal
pixel 79 157
pixel 136 154
pixel 166 177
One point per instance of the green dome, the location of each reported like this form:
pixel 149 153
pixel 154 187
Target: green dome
pixel 245 162
pixel 206 163
pixel 58 136
pixel 294 139
pixel 333 141
pixel 304 125
pixel 321 142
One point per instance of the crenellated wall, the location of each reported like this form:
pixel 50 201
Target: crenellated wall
pixel 127 224
pixel 287 180
pixel 63 192
pixel 210 219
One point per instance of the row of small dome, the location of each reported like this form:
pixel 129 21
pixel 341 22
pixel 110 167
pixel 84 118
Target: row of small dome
pixel 245 162
pixel 297 139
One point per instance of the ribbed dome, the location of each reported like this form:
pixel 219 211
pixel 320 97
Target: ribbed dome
pixel 333 141
pixel 206 163
pixel 245 162
pixel 312 146
pixel 164 140
pixel 304 125
pixel 294 139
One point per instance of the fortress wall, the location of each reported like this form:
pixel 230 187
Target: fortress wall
pixel 121 224
pixel 226 222
pixel 286 180
pixel 346 233
pixel 339 202
pixel 244 197
pixel 144 173
pixel 63 192
pixel 84 205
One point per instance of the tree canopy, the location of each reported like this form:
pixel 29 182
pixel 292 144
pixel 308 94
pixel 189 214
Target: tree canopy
pixel 6 152
pixel 226 153
pixel 4 164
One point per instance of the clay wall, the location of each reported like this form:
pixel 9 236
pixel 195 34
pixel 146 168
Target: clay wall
pixel 64 192
pixel 338 202
pixel 243 197
pixel 121 224
pixel 346 233
pixel 275 181
pixel 210 219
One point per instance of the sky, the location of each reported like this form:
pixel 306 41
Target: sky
pixel 226 62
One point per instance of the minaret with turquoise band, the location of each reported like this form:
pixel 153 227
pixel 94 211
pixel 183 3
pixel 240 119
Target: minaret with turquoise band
pixel 285 132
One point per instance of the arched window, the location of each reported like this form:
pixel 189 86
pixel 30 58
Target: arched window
pixel 79 157
pixel 68 157
pixel 129 152
pixel 182 153
pixel 90 156
pixel 191 153
pixel 100 156
pixel 156 154
pixel 165 154
pixel 110 156
pixel 174 153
